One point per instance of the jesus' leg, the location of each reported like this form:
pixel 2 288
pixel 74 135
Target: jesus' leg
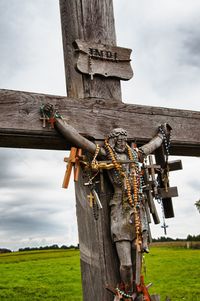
pixel 126 269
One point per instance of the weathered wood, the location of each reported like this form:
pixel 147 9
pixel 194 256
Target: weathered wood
pixel 170 193
pixel 90 21
pixel 71 163
pixel 20 125
pixel 172 165
pixel 155 297
pixel 103 60
pixel 166 202
pixel 98 256
pixel 175 165
pixel 150 200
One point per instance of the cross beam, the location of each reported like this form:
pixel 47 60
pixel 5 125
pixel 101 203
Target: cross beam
pixel 20 124
pixel 93 108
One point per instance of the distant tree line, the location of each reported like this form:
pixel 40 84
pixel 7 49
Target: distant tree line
pixel 189 238
pixel 56 247
pixel 53 247
pixel 193 238
pixel 4 250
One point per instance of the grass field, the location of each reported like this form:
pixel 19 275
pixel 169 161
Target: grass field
pixel 175 272
pixel 40 275
pixel 55 275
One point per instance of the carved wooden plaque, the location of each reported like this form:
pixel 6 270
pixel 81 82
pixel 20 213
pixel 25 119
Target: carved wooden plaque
pixel 103 60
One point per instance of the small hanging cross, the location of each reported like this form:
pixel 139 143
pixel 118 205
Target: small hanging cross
pixel 51 121
pixel 164 226
pixel 44 118
pixel 91 199
pixel 73 162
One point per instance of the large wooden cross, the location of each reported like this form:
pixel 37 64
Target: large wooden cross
pixel 93 107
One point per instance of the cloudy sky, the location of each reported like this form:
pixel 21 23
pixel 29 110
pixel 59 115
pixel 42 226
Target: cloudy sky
pixel 165 38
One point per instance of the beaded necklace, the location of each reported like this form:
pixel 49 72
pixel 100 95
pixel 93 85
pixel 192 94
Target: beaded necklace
pixel 135 173
pixel 134 179
pixel 133 155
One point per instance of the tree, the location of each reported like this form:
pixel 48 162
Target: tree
pixel 198 205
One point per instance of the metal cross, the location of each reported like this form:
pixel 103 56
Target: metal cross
pixel 164 226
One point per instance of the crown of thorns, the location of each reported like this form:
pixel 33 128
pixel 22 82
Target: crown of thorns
pixel 116 132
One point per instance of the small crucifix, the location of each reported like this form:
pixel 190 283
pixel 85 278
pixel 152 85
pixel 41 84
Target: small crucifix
pixel 92 107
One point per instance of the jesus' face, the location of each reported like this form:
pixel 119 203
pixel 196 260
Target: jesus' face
pixel 120 144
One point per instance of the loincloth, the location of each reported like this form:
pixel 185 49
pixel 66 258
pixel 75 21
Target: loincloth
pixel 122 219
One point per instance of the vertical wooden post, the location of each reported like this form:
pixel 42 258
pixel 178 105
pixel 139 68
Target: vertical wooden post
pixel 92 21
pixel 155 298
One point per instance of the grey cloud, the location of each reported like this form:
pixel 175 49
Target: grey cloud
pixel 32 204
pixel 31 26
pixel 24 219
pixel 37 204
pixel 17 169
pixel 49 201
pixel 166 70
pixel 164 44
pixel 25 224
pixel 195 184
pixel 191 50
pixel 11 32
pixel 8 180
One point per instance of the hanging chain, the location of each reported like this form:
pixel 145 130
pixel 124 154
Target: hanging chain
pixel 95 209
pixel 159 200
pixel 94 163
pixel 164 225
pixel 166 140
pixel 91 183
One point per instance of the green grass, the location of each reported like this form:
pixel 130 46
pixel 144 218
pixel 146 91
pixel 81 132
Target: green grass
pixel 55 275
pixel 175 272
pixel 37 276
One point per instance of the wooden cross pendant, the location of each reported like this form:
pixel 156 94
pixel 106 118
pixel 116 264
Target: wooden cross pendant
pixel 44 118
pixel 73 161
pixel 91 199
pixel 51 121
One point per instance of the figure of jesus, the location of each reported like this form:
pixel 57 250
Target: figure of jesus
pixel 129 226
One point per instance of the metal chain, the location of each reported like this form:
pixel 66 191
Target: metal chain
pixel 95 209
pixel 166 140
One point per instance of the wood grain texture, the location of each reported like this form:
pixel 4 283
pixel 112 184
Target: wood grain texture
pixel 98 258
pixel 155 298
pixel 92 21
pixel 105 60
pixel 94 118
pixel 93 109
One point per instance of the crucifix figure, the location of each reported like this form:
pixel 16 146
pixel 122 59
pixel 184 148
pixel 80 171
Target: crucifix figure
pixel 128 220
pixel 94 67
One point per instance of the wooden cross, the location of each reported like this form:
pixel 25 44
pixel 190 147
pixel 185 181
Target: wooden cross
pixel 160 187
pixel 72 161
pixel 93 108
